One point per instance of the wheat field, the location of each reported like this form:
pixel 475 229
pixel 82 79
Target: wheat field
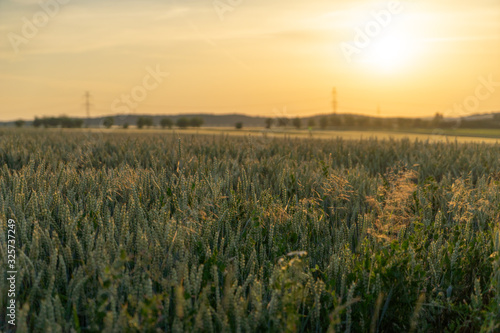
pixel 154 232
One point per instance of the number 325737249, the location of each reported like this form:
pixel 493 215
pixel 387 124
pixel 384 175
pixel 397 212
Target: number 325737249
pixel 11 242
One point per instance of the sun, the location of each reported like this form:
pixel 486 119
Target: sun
pixel 391 53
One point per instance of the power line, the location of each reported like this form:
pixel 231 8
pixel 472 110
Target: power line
pixel 294 106
pixel 334 104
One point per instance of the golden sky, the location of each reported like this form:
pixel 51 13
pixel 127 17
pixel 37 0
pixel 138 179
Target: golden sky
pixel 267 58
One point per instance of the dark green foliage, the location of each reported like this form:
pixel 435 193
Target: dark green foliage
pixel 144 122
pixel 108 122
pixel 139 232
pixel 182 122
pixel 283 121
pixel 297 123
pixel 63 121
pixel 166 122
pixel 196 122
pixel 37 122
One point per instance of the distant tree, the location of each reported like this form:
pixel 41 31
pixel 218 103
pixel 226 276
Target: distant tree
pixel 125 125
pixel 108 122
pixel 144 122
pixel 62 121
pixel 51 122
pixel 77 123
pixel 239 125
pixel 311 122
pixel 140 122
pixel 438 118
pixel 19 123
pixel 166 122
pixel 182 122
pixel 323 122
pixel 148 122
pixel 196 122
pixel 283 122
pixel 43 122
pixel 37 122
pixel 297 123
pixel 269 122
pixel 66 122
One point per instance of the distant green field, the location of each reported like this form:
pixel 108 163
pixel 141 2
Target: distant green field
pixel 485 133
pixel 487 136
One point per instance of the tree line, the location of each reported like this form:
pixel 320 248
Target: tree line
pixel 322 122
pixel 63 121
pixel 182 122
pixel 359 122
pixel 108 122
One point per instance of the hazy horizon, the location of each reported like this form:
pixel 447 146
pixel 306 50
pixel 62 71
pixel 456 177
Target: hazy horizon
pixel 253 58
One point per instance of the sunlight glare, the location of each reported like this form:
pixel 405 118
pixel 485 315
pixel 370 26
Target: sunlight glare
pixel 391 53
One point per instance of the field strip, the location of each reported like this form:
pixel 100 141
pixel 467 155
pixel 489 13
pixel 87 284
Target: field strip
pixel 280 133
